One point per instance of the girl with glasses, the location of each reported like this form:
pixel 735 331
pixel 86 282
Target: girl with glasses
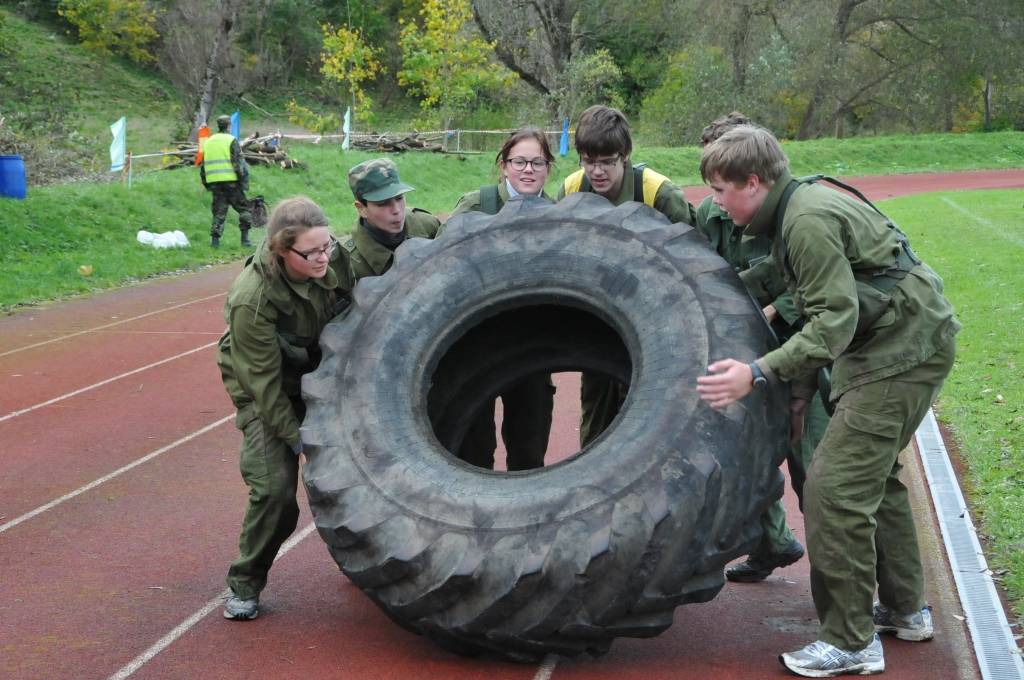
pixel 276 308
pixel 523 164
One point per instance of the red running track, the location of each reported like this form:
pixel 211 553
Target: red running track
pixel 120 503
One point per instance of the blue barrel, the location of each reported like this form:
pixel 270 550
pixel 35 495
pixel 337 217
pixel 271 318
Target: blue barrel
pixel 12 177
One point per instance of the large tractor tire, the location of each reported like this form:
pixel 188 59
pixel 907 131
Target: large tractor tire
pixel 564 558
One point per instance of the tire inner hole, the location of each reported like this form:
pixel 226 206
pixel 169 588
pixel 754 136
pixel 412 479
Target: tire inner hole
pixel 515 364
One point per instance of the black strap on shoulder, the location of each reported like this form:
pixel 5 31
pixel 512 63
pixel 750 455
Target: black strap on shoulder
pixel 489 199
pixel 882 280
pixel 638 182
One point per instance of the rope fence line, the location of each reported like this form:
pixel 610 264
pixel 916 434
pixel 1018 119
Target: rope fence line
pixel 455 135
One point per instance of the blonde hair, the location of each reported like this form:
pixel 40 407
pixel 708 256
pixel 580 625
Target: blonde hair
pixel 290 218
pixel 743 151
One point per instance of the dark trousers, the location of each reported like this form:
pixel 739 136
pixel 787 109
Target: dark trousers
pixel 229 194
pixel 601 398
pixel 525 427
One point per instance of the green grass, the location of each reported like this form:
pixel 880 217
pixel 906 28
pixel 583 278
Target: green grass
pixel 975 240
pixel 94 224
pixel 64 99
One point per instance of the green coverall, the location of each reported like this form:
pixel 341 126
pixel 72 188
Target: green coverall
pixel 274 327
pixel 879 316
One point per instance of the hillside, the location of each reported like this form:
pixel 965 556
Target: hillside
pixel 59 101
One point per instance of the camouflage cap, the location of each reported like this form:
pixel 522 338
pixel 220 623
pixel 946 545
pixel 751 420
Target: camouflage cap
pixel 376 180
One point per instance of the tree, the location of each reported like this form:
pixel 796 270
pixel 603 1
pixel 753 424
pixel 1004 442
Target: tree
pixel 589 78
pixel 195 53
pixel 446 67
pixel 694 91
pixel 125 27
pixel 348 60
pixel 535 39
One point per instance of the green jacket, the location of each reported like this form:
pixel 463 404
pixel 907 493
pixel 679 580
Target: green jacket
pixel 668 200
pixel 829 246
pixel 749 256
pixel 470 202
pixel 272 339
pixel 370 258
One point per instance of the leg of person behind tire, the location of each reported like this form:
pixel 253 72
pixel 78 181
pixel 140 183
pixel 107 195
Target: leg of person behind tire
pixel 526 421
pixel 800 454
pixel 778 548
pixel 270 469
pixel 601 398
pixel 480 441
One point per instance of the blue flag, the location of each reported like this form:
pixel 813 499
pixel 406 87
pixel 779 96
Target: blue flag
pixel 346 127
pixel 236 124
pixel 563 145
pixel 118 145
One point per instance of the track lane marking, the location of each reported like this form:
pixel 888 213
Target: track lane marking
pixel 547 667
pixel 183 627
pixel 989 225
pixel 14 414
pixel 93 484
pixel 110 325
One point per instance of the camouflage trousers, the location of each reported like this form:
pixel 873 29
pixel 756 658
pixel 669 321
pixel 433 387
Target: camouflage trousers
pixel 860 529
pixel 229 194
pixel 525 426
pixel 270 470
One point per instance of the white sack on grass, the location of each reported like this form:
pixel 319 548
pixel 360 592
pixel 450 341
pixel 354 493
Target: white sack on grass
pixel 168 239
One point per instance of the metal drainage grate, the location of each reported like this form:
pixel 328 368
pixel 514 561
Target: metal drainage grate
pixel 994 646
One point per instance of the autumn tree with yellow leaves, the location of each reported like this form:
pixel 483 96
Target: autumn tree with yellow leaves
pixel 348 60
pixel 444 64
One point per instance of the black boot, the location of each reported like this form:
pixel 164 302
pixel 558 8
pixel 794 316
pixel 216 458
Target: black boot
pixel 759 567
pixel 215 241
pixel 246 243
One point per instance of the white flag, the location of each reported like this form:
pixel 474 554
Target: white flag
pixel 118 145
pixel 346 127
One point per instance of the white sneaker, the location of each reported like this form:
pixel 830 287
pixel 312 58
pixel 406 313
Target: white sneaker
pixel 238 609
pixel 916 627
pixel 822 660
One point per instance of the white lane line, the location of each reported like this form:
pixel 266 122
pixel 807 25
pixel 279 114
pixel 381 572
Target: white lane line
pixel 14 414
pixel 110 325
pixel 77 492
pixel 182 628
pixel 989 225
pixel 547 667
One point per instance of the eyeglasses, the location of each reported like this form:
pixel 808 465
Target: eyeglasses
pixel 311 255
pixel 605 164
pixel 520 163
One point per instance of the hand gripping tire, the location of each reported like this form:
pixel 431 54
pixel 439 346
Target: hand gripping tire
pixel 565 558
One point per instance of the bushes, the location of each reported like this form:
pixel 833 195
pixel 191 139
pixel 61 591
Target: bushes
pixel 695 90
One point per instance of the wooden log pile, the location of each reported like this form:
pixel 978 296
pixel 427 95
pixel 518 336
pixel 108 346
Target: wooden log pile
pixel 256 150
pixel 386 142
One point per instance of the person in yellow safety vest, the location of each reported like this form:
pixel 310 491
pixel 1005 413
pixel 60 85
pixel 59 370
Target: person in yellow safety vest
pixel 225 174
